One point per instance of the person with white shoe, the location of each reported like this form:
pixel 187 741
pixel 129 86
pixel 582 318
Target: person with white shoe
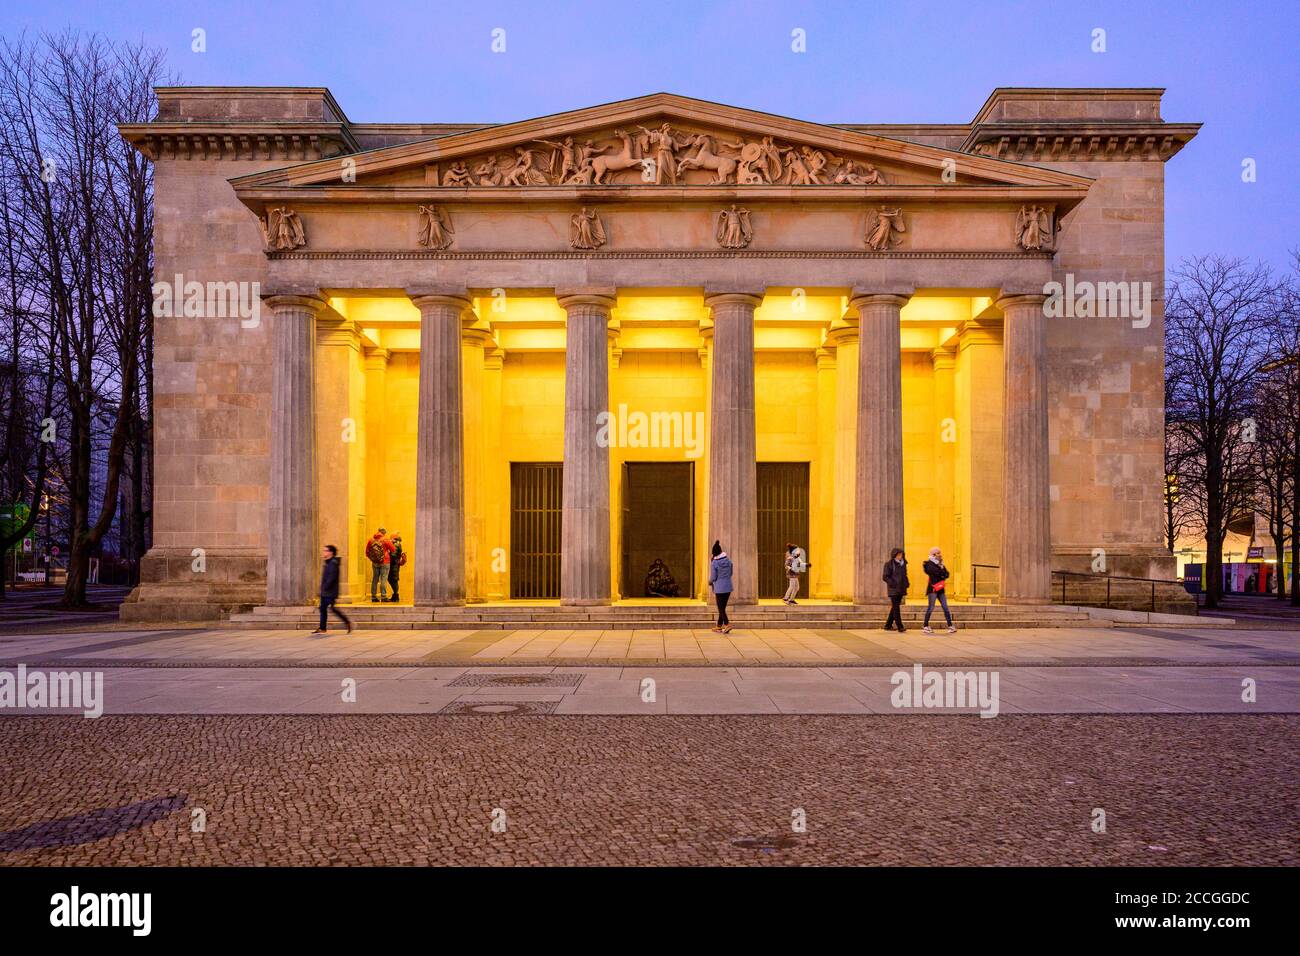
pixel 936 589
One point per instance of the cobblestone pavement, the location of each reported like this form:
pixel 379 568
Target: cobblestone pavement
pixel 1177 790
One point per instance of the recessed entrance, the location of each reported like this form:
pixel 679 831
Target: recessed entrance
pixel 782 517
pixel 536 497
pixel 658 526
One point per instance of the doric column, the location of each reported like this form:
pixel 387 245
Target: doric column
pixel 476 340
pixel 584 531
pixel 340 448
pixel 843 335
pixel 292 561
pixel 496 479
pixel 944 364
pixel 733 479
pixel 821 534
pixel 1026 507
pixel 878 512
pixel 439 454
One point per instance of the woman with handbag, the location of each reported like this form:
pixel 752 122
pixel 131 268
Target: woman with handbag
pixel 936 589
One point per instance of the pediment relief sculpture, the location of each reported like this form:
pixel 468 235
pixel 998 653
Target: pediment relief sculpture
pixel 733 229
pixel 586 231
pixel 282 230
pixel 885 228
pixel 436 231
pixel 1035 229
pixel 663 156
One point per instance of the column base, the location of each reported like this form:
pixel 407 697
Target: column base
pixel 456 603
pixel 1024 600
pixel 585 602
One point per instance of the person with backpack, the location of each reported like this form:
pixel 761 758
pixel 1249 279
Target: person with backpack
pixel 379 550
pixel 895 577
pixel 720 581
pixel 796 563
pixel 329 588
pixel 395 562
pixel 936 589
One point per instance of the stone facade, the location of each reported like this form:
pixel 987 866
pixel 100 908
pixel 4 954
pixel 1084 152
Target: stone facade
pixel 434 303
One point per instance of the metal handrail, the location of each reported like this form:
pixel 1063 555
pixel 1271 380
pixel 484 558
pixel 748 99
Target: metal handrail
pixel 975 577
pixel 1065 575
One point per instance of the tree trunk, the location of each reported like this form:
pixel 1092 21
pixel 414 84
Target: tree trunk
pixel 1295 522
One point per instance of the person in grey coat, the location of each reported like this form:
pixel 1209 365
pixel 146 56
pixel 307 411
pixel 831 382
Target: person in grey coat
pixel 895 577
pixel 720 582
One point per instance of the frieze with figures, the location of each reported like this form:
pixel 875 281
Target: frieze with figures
pixel 664 156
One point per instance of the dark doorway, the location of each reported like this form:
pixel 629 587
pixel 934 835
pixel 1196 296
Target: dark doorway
pixel 536 495
pixel 782 517
pixel 658 524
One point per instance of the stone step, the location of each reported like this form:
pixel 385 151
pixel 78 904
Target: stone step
pixel 833 624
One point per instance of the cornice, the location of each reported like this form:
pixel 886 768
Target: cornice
pixel 291 142
pixel 1089 140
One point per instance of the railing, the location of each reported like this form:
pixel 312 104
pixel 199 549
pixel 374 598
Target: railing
pixel 992 582
pixel 1094 579
pixel 1086 585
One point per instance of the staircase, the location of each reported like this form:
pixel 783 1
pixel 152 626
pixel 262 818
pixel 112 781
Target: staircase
pixel 520 616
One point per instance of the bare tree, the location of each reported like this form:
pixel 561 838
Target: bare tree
pixel 1274 450
pixel 1217 317
pixel 1283 374
pixel 85 198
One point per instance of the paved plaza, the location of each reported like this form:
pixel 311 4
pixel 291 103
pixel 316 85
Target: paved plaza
pixel 721 790
pixel 655 747
pixel 773 671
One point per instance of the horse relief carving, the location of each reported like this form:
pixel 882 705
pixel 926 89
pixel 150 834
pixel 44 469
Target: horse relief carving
pixel 661 156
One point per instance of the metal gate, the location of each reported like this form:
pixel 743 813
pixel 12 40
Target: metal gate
pixel 658 523
pixel 536 496
pixel 782 517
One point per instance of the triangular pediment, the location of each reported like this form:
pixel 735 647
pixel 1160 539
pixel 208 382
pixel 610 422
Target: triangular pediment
pixel 662 140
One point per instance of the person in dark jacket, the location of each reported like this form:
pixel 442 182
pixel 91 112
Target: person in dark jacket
pixel 720 580
pixel 936 588
pixel 395 561
pixel 895 577
pixel 329 588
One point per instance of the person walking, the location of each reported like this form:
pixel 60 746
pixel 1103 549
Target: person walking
pixel 720 582
pixel 936 589
pixel 329 588
pixel 379 550
pixel 895 577
pixel 796 563
pixel 395 562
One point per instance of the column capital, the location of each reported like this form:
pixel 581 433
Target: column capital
pixel 843 331
pixel 601 298
pixel 376 359
pixel 295 300
pixel 863 297
pixel 1011 300
pixel 978 332
pixel 714 299
pixel 453 300
pixel 943 357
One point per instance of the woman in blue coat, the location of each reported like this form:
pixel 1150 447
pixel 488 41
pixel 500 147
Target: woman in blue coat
pixel 720 581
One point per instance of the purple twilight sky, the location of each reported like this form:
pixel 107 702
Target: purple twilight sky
pixel 1230 65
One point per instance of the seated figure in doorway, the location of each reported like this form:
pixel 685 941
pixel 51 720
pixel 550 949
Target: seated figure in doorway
pixel 659 581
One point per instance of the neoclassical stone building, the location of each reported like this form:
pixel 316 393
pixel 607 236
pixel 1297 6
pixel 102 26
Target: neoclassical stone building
pixel 555 351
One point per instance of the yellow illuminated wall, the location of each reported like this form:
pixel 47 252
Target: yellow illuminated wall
pixel 513 364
